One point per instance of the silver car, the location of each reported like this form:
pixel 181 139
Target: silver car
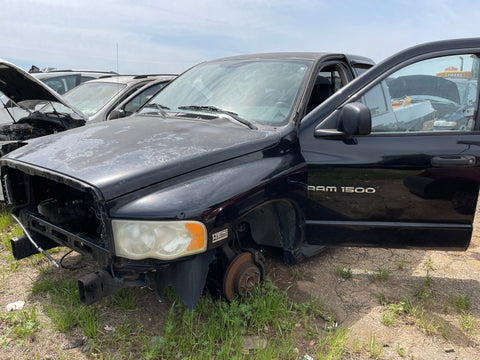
pixel 30 109
pixel 97 98
pixel 63 80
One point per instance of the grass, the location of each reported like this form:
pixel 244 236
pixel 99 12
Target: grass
pixel 445 329
pixel 6 219
pixel 424 293
pixel 394 310
pixel 214 329
pixel 427 325
pixel 9 232
pixel 428 321
pixel 297 273
pixel 380 274
pixel 20 325
pixel 126 299
pixel 374 348
pixel 467 322
pixel 463 303
pixel 344 272
pixel 333 345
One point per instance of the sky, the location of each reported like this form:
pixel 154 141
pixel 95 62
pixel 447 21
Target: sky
pixel 152 37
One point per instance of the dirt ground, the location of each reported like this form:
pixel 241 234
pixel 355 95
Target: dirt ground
pixel 354 301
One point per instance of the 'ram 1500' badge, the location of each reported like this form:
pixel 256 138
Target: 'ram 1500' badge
pixel 343 189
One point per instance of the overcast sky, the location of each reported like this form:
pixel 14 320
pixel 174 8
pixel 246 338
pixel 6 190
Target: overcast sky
pixel 170 36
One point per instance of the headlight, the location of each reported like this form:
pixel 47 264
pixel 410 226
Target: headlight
pixel 158 239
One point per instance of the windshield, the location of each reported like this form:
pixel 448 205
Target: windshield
pixel 261 91
pixel 88 97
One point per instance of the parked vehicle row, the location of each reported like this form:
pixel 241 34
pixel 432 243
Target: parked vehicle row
pixel 237 156
pixel 31 109
pixel 63 80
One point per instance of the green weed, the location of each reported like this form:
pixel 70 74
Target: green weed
pixel 21 324
pixel 333 344
pixel 344 272
pixel 428 326
pixel 444 329
pixel 463 303
pixel 297 273
pixel 380 274
pixel 6 220
pixel 89 321
pixel 467 322
pixel 125 299
pixel 375 349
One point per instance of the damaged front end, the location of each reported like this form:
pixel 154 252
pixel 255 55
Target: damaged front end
pixel 59 211
pixel 15 135
pixel 30 109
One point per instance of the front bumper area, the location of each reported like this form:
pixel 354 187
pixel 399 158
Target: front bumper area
pixel 187 277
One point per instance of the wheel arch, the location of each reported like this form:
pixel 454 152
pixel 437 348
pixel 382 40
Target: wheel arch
pixel 276 223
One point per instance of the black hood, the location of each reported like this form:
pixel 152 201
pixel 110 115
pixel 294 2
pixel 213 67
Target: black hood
pixel 423 85
pixel 124 155
pixel 19 86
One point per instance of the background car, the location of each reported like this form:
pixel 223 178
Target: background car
pixel 63 80
pixel 30 109
pixel 97 98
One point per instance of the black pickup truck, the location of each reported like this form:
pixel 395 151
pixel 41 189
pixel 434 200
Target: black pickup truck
pixel 259 152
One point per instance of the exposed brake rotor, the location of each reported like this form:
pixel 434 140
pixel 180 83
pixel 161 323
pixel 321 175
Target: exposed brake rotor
pixel 243 274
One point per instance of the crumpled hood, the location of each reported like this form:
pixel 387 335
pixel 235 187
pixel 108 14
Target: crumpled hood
pixel 127 154
pixel 423 85
pixel 19 85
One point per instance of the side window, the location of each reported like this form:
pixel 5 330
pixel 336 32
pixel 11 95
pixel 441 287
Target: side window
pixel 125 95
pixel 438 94
pixel 327 82
pixel 140 99
pixel 58 84
pixel 71 81
pixel 84 78
pixel 61 84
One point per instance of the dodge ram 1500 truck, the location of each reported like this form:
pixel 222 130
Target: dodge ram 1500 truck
pixel 254 152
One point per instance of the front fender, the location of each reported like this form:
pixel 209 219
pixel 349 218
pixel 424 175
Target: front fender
pixel 199 194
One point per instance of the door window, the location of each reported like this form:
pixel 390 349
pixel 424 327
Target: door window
pixel 327 82
pixel 140 99
pixel 437 94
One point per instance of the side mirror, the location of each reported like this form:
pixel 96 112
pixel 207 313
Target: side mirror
pixel 353 119
pixel 116 114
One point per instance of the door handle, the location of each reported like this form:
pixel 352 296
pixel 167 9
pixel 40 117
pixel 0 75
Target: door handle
pixel 453 160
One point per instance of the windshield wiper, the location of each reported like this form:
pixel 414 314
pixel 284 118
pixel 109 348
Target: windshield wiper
pixel 220 111
pixel 161 108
